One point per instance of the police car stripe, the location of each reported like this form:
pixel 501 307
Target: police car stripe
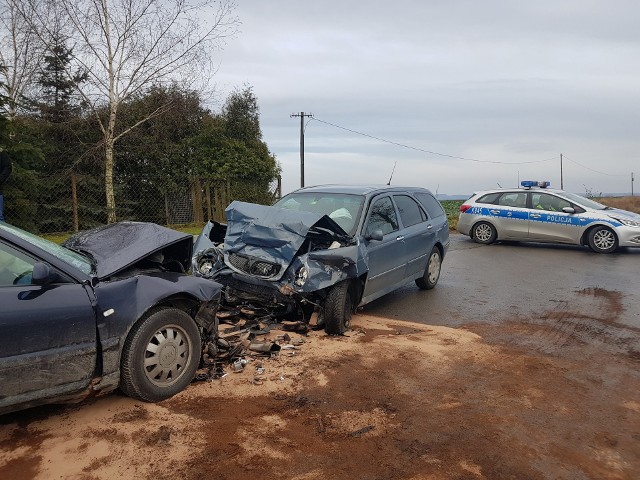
pixel 553 218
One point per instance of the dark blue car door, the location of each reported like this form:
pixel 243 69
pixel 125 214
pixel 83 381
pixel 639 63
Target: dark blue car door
pixel 47 333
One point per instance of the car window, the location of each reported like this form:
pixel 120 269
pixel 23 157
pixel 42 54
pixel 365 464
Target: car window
pixel 383 217
pixel 410 211
pixel 432 205
pixel 513 199
pixel 547 202
pixel 15 267
pixel 489 198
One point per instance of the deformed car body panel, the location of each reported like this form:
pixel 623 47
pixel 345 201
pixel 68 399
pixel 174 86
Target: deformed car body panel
pixel 118 246
pixel 276 235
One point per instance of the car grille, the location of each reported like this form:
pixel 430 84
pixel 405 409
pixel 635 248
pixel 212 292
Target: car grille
pixel 252 266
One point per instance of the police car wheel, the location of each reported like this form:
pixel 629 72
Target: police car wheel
pixel 484 232
pixel 603 240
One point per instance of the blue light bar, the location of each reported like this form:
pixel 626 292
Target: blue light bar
pixel 534 183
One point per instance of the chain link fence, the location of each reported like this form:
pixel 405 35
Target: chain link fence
pixel 70 202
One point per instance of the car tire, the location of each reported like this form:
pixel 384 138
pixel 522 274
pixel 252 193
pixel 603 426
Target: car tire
pixel 431 273
pixel 160 356
pixel 602 240
pixel 484 232
pixel 338 309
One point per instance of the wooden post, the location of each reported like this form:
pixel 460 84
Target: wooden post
pixel 207 190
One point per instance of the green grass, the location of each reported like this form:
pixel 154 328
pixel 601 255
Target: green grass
pixel 61 237
pixel 452 209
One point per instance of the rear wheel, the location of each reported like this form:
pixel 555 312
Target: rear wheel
pixel 432 272
pixel 484 232
pixel 603 240
pixel 160 356
pixel 338 308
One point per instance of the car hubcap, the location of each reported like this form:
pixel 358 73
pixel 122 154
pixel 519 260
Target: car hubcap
pixel 604 239
pixel 434 268
pixel 483 232
pixel 166 355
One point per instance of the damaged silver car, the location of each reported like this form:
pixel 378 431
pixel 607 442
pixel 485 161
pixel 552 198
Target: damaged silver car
pixel 327 249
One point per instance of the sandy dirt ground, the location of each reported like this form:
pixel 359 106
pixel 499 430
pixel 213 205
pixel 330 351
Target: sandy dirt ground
pixel 526 399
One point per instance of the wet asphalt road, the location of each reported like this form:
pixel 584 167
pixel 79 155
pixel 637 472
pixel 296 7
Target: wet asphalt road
pixel 503 281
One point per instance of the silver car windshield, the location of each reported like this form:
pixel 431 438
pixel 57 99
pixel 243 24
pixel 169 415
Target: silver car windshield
pixel 585 202
pixel 70 257
pixel 343 208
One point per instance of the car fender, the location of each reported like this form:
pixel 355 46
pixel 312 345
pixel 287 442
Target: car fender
pixel 122 303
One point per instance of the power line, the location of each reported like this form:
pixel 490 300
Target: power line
pixel 429 151
pixel 596 171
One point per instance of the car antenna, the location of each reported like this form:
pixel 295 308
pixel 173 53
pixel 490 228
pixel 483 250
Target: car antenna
pixel 500 186
pixel 394 169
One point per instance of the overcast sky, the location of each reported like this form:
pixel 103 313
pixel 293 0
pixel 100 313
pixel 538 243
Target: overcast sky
pixel 496 81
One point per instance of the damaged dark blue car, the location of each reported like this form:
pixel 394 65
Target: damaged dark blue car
pixel 327 249
pixel 111 308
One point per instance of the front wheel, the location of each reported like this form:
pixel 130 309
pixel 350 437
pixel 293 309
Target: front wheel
pixel 484 232
pixel 432 272
pixel 160 356
pixel 338 308
pixel 602 240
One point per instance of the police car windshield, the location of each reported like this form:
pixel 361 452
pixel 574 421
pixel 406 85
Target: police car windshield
pixel 585 202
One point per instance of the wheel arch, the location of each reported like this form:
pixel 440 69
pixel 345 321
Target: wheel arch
pixel 484 220
pixel 584 239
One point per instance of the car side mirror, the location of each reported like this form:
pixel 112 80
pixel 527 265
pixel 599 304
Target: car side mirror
pixel 42 274
pixel 569 210
pixel 375 235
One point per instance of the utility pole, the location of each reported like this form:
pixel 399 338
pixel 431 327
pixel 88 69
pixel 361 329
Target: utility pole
pixel 561 179
pixel 632 184
pixel 302 115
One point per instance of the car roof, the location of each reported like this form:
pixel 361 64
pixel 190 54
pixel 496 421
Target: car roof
pixel 357 189
pixel 521 189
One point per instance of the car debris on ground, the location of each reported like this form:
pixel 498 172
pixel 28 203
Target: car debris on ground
pixel 248 336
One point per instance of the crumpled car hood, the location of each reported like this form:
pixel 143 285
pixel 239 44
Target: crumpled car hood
pixel 115 247
pixel 273 234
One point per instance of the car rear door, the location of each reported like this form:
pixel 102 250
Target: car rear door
pixel 387 257
pixel 47 333
pixel 510 216
pixel 419 234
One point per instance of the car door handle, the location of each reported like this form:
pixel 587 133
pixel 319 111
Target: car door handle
pixel 495 212
pixel 429 227
pixel 535 215
pixel 400 237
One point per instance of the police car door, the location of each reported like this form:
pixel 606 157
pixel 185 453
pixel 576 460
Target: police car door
pixel 547 221
pixel 510 216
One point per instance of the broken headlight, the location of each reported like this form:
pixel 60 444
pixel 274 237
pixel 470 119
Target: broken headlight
pixel 208 262
pixel 301 276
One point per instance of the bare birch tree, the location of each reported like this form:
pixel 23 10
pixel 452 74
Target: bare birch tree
pixel 126 46
pixel 20 52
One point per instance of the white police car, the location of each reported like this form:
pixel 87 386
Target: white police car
pixel 536 213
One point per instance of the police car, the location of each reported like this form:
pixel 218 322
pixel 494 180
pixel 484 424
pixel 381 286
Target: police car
pixel 536 213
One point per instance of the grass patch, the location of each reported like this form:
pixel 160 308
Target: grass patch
pixel 452 209
pixel 631 204
pixel 61 237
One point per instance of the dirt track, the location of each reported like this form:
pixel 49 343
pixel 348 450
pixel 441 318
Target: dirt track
pixel 544 397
